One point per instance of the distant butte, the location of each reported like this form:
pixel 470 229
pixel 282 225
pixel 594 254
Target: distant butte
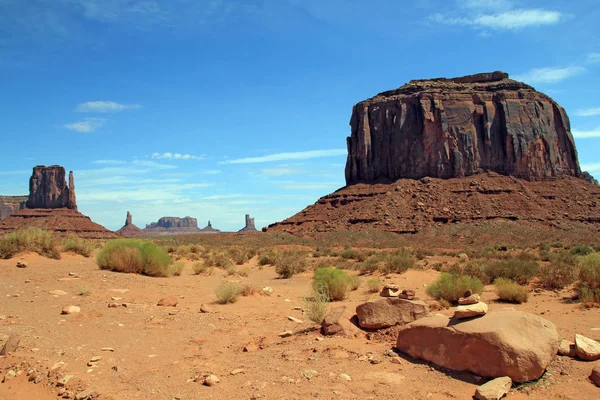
pixel 129 230
pixel 249 227
pixel 462 150
pixel 209 229
pixel 52 205
pixel 173 226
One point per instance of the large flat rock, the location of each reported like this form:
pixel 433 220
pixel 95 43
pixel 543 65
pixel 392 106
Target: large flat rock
pixel 389 312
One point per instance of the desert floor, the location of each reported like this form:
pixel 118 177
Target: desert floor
pixel 158 351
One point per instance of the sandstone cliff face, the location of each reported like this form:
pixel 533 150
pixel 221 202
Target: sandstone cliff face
pixel 48 188
pixel 447 128
pixel 249 227
pixel 10 205
pixel 172 225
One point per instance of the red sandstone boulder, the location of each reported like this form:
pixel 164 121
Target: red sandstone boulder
pixel 503 343
pixel 389 312
pixel 169 301
pixel 331 323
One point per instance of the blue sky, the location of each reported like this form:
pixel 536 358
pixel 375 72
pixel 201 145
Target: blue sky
pixel 215 108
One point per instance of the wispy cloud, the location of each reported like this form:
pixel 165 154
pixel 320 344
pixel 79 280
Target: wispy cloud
pixel 105 107
pixel 594 133
pixel 176 156
pixel 152 164
pixel 588 112
pixel 593 58
pixel 309 186
pixel 281 171
pixel 109 162
pixel 87 125
pixel 549 75
pixel 299 155
pixel 490 5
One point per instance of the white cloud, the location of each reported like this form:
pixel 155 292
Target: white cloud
pixel 594 133
pixel 591 167
pixel 176 156
pixel 507 20
pixel 593 58
pixel 281 171
pixel 549 75
pixel 588 112
pixel 493 5
pixel 105 106
pixel 299 155
pixel 109 162
pixel 152 164
pixel 309 186
pixel 87 125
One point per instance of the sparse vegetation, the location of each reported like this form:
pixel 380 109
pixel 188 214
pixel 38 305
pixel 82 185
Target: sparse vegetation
pixel 557 275
pixel 268 257
pixel 84 292
pixel 515 269
pixel 76 245
pixel 315 305
pixel 353 254
pixel 580 250
pixel 511 291
pixel 589 278
pixel 335 282
pixel 30 239
pixel 290 263
pixel 399 262
pixel 135 256
pixel 373 285
pixel 228 292
pixel 240 255
pixel 201 268
pixel 176 268
pixel 451 287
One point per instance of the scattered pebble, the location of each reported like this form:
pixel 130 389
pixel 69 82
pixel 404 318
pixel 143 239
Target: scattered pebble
pixel 237 371
pixel 286 333
pixel 344 377
pixel 71 310
pixel 211 380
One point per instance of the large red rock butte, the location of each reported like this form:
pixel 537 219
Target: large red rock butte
pixel 52 205
pixel 463 150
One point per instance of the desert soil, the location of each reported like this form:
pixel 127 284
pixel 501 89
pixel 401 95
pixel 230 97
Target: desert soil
pixel 159 351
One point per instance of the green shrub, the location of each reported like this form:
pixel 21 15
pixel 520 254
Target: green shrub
pixel 354 282
pixel 515 269
pixel 353 254
pixel 29 239
pixel 315 305
pixel 588 295
pixel 268 257
pixel 451 287
pixel 374 284
pixel 134 256
pixel 228 292
pixel 76 245
pixel 200 268
pixel 322 252
pixel 371 264
pixel 290 263
pixel 476 269
pixel 511 291
pixel 399 262
pixel 240 255
pixel 557 275
pixel 589 278
pixel 335 282
pixel 580 250
pixel 176 268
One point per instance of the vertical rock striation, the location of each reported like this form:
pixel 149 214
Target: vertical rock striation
pixel 446 128
pixel 48 188
pixel 249 227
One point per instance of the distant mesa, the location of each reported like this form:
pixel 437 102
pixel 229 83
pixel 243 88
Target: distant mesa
pixel 249 225
pixel 173 226
pixel 52 205
pixel 129 230
pixel 11 204
pixel 209 229
pixel 463 150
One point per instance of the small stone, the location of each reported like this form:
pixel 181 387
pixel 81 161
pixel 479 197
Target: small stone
pixel 471 310
pixel 95 359
pixel 267 290
pixel 586 348
pixel 72 273
pixel 566 348
pixel 595 375
pixel 83 395
pixel 407 294
pixel 472 299
pixel 64 380
pixel 390 290
pixel 58 365
pixel 58 293
pixel 114 298
pixel 9 375
pixel 286 333
pixel 21 264
pixel 309 373
pixel 211 380
pixel 494 389
pixel 293 319
pixel 396 360
pixel 107 349
pixel 169 301
pixel 319 339
pixel 71 310
pixel 113 305
pixel 206 309
pixel 374 360
pixel 331 323
pixel 344 377
pixel 237 371
pixel 12 343
pixel 250 348
pixel 27 280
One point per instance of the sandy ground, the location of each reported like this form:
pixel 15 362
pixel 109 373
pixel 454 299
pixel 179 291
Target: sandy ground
pixel 158 351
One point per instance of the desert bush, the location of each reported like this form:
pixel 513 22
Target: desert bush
pixel 373 285
pixel 371 264
pixel 476 269
pixel 315 305
pixel 399 262
pixel 176 268
pixel 240 255
pixel 353 254
pixel 217 259
pixel 354 282
pixel 244 272
pixel 580 250
pixel 76 245
pixel 228 292
pixel 322 252
pixel 335 282
pixel 520 271
pixel 511 291
pixel 589 278
pixel 29 239
pixel 451 287
pixel 248 290
pixel 290 263
pixel 230 269
pixel 420 253
pixel 557 275
pixel 268 257
pixel 201 268
pixel 134 256
pixel 588 295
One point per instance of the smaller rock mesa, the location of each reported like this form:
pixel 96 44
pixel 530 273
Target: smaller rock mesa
pixel 48 188
pixel 172 226
pixel 129 230
pixel 249 225
pixel 11 204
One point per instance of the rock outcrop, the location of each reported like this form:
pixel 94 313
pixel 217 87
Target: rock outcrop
pixel 48 188
pixel 503 343
pixel 589 178
pixel 129 230
pixel 448 128
pixel 390 311
pixel 209 229
pixel 11 204
pixel 51 205
pixel 172 225
pixel 249 227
